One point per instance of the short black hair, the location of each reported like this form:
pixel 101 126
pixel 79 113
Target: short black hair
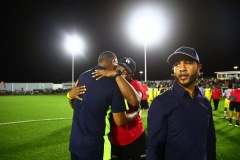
pixel 106 56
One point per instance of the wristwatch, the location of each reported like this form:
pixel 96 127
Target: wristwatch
pixel 118 74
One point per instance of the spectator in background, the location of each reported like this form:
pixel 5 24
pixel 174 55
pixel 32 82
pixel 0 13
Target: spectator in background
pixel 226 94
pixel 216 96
pixel 208 92
pixel 234 105
pixel 144 101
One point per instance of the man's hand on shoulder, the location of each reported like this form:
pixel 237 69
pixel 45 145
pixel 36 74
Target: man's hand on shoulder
pixel 100 73
pixel 76 91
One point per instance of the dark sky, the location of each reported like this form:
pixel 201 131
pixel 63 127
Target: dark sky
pixel 32 36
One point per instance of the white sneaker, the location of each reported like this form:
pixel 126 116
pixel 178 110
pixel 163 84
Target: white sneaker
pixel 237 125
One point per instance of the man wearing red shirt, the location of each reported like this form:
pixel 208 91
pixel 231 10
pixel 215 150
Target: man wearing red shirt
pixel 234 104
pixel 128 141
pixel 216 96
pixel 144 101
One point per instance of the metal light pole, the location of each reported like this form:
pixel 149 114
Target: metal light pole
pixel 73 68
pixel 145 60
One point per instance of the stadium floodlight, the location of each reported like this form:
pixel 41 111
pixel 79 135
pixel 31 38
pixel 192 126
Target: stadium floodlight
pixel 73 44
pixel 147 25
pixel 235 67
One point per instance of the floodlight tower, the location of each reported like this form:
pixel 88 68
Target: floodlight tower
pixel 73 45
pixel 147 25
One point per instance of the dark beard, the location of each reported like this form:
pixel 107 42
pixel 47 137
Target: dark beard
pixel 192 78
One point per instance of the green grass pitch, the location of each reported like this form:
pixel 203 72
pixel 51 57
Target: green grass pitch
pixel 37 127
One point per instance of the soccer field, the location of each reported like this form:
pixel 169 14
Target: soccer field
pixel 37 127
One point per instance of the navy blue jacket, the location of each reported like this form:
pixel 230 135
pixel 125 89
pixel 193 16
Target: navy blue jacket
pixel 90 126
pixel 181 127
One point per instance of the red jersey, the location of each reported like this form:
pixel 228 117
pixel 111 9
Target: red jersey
pixel 236 93
pixel 216 93
pixel 124 135
pixel 144 92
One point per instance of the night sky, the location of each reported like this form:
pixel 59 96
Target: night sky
pixel 32 36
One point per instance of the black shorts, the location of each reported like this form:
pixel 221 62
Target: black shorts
pixel 144 104
pixel 234 105
pixel 135 150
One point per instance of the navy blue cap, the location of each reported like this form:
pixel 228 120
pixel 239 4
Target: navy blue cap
pixel 183 53
pixel 128 63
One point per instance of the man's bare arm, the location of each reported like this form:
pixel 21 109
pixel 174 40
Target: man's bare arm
pixel 128 92
pixel 122 118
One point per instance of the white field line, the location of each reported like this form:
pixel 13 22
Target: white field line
pixel 37 120
pixel 52 119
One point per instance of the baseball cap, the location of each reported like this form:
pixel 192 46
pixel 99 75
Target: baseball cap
pixel 128 63
pixel 183 53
